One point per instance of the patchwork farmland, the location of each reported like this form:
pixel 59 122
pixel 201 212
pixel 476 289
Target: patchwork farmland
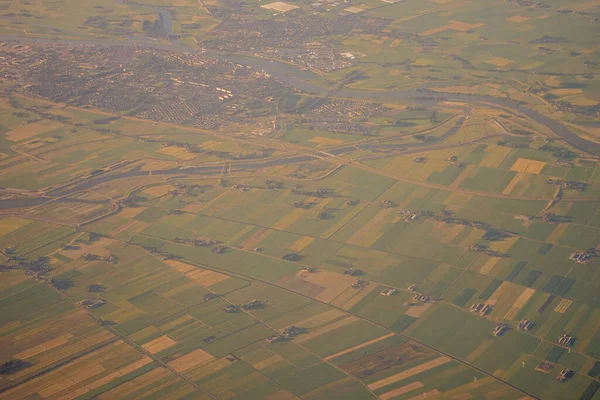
pixel 215 199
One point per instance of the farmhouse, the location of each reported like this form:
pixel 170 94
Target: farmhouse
pixel 421 297
pixel 500 329
pixel 565 374
pixel 254 304
pixel 359 284
pixel 92 303
pixel 565 340
pixel 388 203
pixel 580 258
pixel 275 338
pixel 525 324
pixel 389 292
pixel 219 249
pixel 544 367
pixel 480 308
pixel 231 308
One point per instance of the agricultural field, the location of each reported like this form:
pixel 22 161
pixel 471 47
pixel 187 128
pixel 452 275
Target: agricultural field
pixel 379 199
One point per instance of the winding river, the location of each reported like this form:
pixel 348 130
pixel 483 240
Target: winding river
pixel 304 81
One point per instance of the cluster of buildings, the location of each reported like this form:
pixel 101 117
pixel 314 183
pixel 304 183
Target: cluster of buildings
pixel 345 117
pixel 570 185
pixel 316 58
pixel 288 333
pixel 291 257
pixel 409 215
pixel 563 375
pixel 590 111
pixel 197 242
pixel 359 284
pixel 160 85
pixel 389 291
pixel 581 258
pixel 253 304
pixel 219 249
pixel 423 298
pixel 525 324
pixel 352 272
pixel 388 203
pixel 565 340
pixel 287 38
pixel 500 329
pixel 481 308
pixel 92 303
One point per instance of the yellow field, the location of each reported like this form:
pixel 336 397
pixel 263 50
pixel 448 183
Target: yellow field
pixel 290 218
pixel 489 265
pixel 513 183
pixel 584 101
pixel 527 165
pixel 98 248
pixel 417 311
pixel 360 346
pixel 191 360
pixel 504 245
pixel 495 156
pixel 557 233
pixel 566 92
pixel 355 298
pixel 337 226
pixel 466 173
pixel 326 328
pixel 152 165
pixel 267 363
pixel 498 292
pixel 458 26
pixel 302 243
pixel 256 238
pixel 519 302
pixel 177 152
pixel 500 62
pixel 78 377
pixel 332 283
pixel 207 278
pixel 208 369
pixel 401 390
pixel 238 235
pixel 396 43
pixel 279 6
pixel 479 350
pixel 30 130
pixel 320 319
pixel 159 344
pixel 563 306
pixel 372 225
pixel 354 9
pixel 201 276
pixel 11 224
pixel 473 237
pixel 40 348
pixel 517 18
pixel 134 226
pixel 158 191
pixel 409 373
pixel 323 141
